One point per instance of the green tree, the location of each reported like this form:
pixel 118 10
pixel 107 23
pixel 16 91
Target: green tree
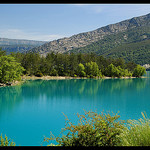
pixel 110 70
pixel 73 64
pixel 10 69
pixel 119 72
pixel 50 63
pixel 113 71
pixel 80 58
pixel 92 70
pixel 80 70
pixel 131 66
pixel 119 62
pixel 139 71
pixel 31 62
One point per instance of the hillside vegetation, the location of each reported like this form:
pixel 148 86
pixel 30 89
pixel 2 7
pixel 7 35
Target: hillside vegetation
pixel 132 45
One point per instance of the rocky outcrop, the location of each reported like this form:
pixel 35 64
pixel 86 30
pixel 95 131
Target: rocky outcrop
pixel 86 38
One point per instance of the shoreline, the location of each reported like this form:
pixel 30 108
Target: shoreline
pixel 25 78
pixel 11 84
pixel 68 77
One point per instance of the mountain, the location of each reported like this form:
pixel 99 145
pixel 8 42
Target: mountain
pixel 100 36
pixel 17 45
pixel 132 45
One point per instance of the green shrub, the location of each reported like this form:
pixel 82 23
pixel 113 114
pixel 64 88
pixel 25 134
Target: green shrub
pixel 136 133
pixel 91 69
pixel 139 71
pixel 92 130
pixel 6 142
pixel 80 70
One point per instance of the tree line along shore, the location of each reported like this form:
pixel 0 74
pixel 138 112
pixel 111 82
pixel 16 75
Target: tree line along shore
pixel 16 66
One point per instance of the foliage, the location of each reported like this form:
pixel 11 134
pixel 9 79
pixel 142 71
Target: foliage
pixel 139 71
pixel 113 71
pixel 2 53
pixel 130 66
pixel 92 69
pixel 6 142
pixel 92 130
pixel 39 74
pixel 83 65
pixel 31 63
pixel 131 45
pixel 136 133
pixel 10 69
pixel 80 70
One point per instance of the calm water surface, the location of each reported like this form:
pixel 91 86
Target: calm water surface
pixel 30 111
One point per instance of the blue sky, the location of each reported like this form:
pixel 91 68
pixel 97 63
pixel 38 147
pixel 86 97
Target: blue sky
pixel 47 22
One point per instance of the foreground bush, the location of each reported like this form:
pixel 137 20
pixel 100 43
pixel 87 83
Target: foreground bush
pixel 92 130
pixel 6 142
pixel 99 130
pixel 137 133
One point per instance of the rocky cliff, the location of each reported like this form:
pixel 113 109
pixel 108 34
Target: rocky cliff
pixel 86 38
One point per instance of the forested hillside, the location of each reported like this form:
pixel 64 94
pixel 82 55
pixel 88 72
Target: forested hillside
pixel 132 45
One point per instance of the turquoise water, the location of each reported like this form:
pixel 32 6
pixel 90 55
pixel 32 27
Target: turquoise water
pixel 30 111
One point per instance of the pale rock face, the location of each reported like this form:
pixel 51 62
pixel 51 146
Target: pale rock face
pixel 86 38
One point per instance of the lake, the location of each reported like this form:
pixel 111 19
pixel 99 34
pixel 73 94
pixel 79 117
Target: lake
pixel 28 112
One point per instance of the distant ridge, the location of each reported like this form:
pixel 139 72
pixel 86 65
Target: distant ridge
pixel 18 45
pixel 7 41
pixel 83 39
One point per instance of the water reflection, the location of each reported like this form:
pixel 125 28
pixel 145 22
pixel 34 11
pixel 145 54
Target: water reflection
pixel 38 105
pixel 73 89
pixel 108 94
pixel 10 97
pixel 85 88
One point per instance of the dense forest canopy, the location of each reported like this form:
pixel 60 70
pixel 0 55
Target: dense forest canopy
pixel 83 65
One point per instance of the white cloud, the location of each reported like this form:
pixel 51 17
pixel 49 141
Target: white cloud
pixel 20 34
